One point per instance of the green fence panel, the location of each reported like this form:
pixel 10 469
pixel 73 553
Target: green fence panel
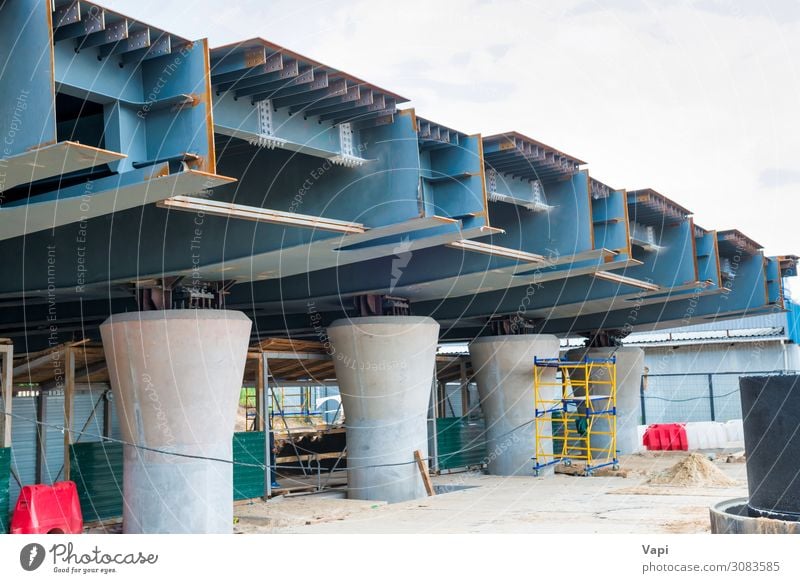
pixel 96 469
pixel 5 476
pixel 461 442
pixel 248 448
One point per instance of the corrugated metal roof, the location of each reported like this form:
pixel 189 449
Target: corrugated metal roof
pixel 675 338
pixel 750 329
pixel 771 320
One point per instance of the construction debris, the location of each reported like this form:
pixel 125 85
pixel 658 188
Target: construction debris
pixel 695 470
pixel 423 470
pixel 738 457
pixel 577 470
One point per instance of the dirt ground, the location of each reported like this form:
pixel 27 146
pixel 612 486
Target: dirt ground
pixel 477 503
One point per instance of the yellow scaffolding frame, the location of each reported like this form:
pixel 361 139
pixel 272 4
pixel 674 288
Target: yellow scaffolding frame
pixel 569 422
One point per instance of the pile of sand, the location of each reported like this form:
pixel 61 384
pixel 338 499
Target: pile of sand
pixel 695 470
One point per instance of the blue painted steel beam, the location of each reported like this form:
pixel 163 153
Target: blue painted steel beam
pixel 338 194
pixel 746 298
pixel 664 272
pixel 91 116
pixel 385 200
pixel 747 294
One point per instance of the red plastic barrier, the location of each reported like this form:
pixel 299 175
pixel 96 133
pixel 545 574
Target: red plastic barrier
pixel 43 509
pixel 665 436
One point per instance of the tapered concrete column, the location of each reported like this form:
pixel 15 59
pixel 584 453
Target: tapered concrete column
pixel 630 367
pixel 503 367
pixel 384 366
pixel 176 377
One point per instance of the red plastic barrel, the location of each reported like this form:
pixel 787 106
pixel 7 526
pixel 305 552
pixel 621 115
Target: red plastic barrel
pixel 665 436
pixel 43 509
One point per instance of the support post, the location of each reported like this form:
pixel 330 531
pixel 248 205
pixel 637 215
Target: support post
pixel 385 373
pixel 711 397
pixel 107 412
pixel 265 422
pixel 41 436
pixel 641 398
pixel 260 383
pixel 433 437
pixel 7 351
pixel 177 379
pixel 629 370
pixel 464 387
pixel 503 368
pixel 69 395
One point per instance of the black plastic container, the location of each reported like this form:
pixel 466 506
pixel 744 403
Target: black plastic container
pixel 771 419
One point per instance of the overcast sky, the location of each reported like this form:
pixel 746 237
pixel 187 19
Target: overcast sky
pixel 696 99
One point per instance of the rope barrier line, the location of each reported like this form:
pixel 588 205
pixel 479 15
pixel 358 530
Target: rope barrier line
pixel 104 438
pixel 700 398
pixel 62 429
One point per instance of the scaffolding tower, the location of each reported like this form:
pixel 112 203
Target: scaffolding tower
pixel 575 412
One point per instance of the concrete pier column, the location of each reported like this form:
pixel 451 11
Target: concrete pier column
pixel 384 366
pixel 630 366
pixel 503 368
pixel 176 376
